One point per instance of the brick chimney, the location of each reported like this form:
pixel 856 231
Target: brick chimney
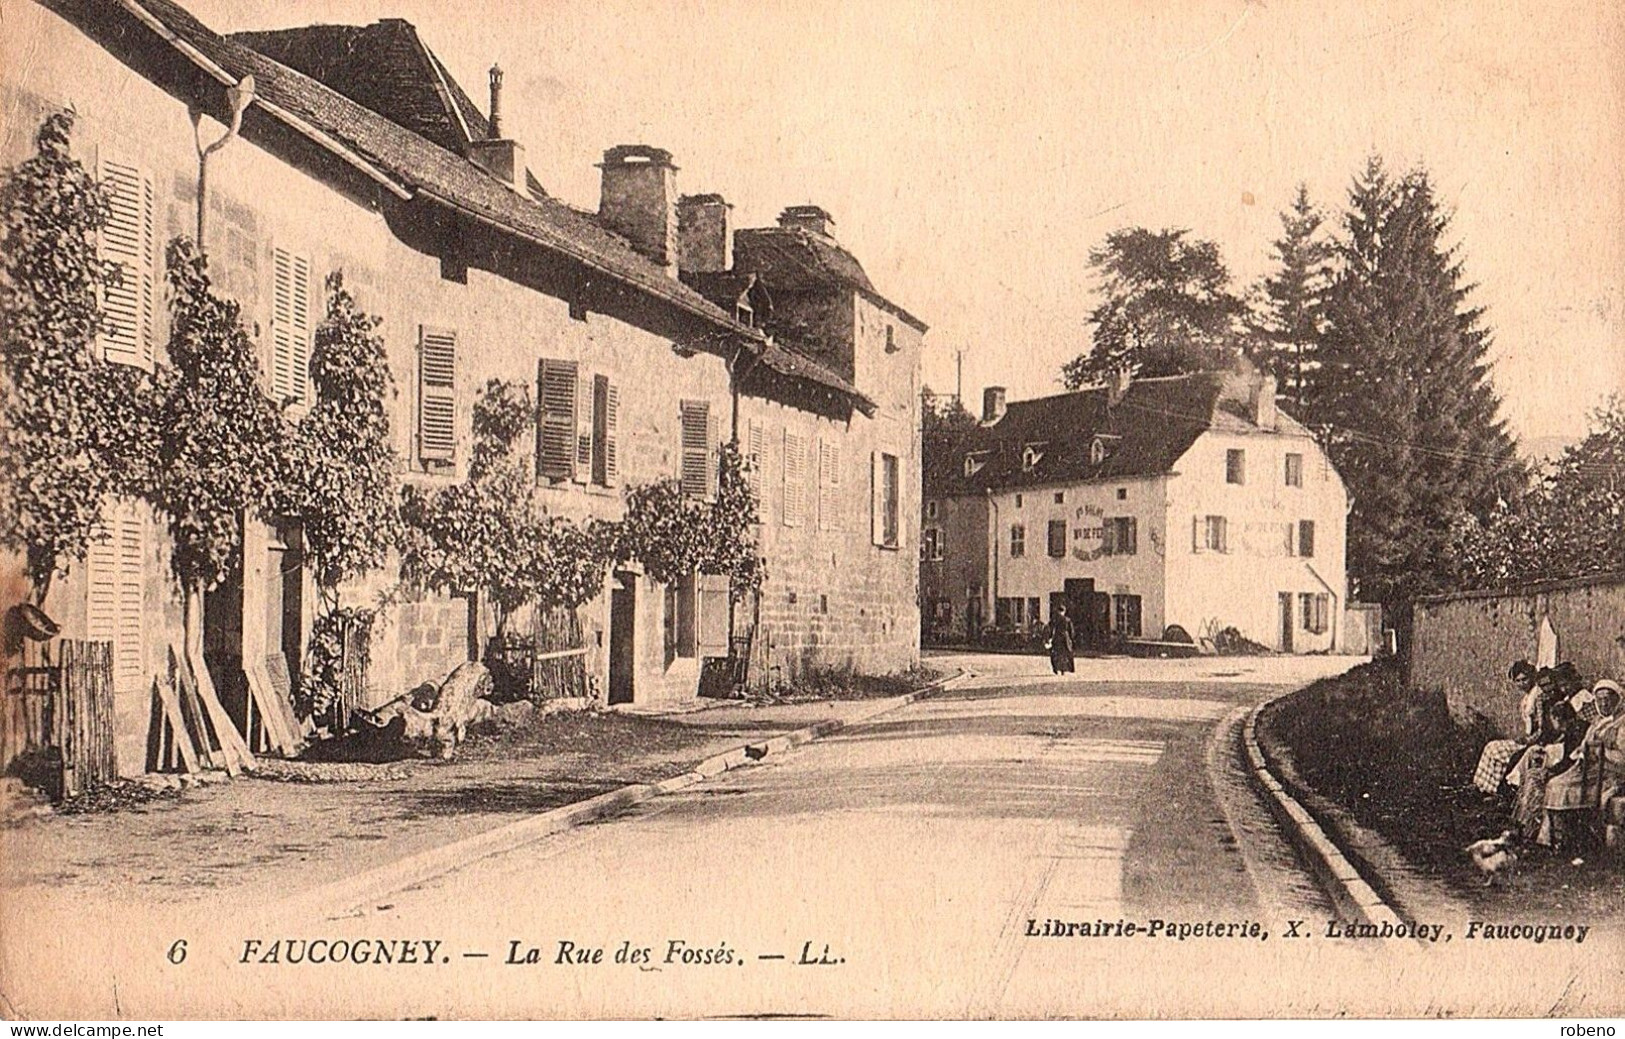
pixel 1261 403
pixel 993 405
pixel 639 200
pixel 502 158
pixel 704 239
pixel 1117 384
pixel 813 219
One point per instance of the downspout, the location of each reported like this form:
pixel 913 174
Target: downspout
pixel 239 97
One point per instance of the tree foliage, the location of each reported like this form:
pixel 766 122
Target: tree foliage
pixel 1167 308
pixel 1286 323
pixel 68 422
pixel 341 479
pixel 1570 524
pixel 1402 396
pixel 220 437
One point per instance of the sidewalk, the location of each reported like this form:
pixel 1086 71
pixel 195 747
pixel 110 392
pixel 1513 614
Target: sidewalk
pixel 264 838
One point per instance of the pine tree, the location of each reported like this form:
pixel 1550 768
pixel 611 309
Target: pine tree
pixel 1288 329
pixel 1402 396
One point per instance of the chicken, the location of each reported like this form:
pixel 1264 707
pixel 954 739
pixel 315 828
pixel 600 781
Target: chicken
pixel 1494 856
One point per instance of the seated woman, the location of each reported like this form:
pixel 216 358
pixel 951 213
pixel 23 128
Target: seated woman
pixel 1566 801
pixel 1499 755
pixel 1540 729
pixel 1603 754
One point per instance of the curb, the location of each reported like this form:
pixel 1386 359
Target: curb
pixel 342 896
pixel 1350 892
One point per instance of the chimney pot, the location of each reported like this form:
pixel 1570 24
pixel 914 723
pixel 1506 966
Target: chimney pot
pixel 638 201
pixel 495 133
pixel 814 219
pixel 993 404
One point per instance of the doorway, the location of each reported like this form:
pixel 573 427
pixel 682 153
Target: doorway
pixel 623 611
pixel 1286 622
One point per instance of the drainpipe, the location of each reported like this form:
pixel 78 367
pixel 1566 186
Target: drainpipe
pixel 239 97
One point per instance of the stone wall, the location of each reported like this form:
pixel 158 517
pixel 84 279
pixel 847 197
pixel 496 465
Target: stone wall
pixel 1462 644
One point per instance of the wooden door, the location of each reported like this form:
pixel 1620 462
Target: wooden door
pixel 623 609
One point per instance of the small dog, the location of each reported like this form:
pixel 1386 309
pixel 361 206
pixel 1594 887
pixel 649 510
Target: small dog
pixel 1494 856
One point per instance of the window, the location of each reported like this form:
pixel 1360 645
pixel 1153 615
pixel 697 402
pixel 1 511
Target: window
pixel 886 488
pixel 891 339
pixel 290 326
pixel 1306 538
pixel 127 240
pixel 1018 501
pixel 745 314
pixel 606 417
pixel 1122 536
pixel 1031 455
pixel 1018 541
pixel 1235 466
pixel 437 394
pixel 1060 497
pixel 1126 615
pixel 1032 612
pixel 1294 469
pixel 1002 613
pixel 1210 534
pixel 114 575
pixel 1097 451
pixel 1122 494
pixel 829 484
pixel 974 463
pixel 795 479
pixel 931 510
pixel 681 629
pixel 1057 538
pixel 931 544
pixel 698 474
pixel 1314 608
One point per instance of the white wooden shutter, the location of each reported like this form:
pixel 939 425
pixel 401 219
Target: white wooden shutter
pixel 128 240
pixel 584 428
pixel 290 326
pixel 114 610
pixel 556 393
pixel 756 454
pixel 1198 532
pixel 437 393
pixel 795 478
pixel 877 499
pixel 713 621
pixel 829 485
pixel 696 435
pixel 1108 537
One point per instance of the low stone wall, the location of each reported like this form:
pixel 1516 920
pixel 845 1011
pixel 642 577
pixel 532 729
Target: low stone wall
pixel 1462 644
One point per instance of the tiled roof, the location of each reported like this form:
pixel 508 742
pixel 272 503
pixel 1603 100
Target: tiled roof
pixel 385 67
pixel 793 259
pixel 1143 434
pixel 410 160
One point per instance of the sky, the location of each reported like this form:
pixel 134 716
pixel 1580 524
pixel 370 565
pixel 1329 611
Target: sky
pixel 973 153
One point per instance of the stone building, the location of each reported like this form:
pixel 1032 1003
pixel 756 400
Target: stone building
pixel 1187 502
pixel 358 152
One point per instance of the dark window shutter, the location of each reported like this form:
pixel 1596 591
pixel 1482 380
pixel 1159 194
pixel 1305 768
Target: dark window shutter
pixel 696 436
pixel 437 394
pixel 606 406
pixel 556 423
pixel 1306 538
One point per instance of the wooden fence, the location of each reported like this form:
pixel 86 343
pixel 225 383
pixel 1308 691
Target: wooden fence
pixel 58 717
pixel 558 666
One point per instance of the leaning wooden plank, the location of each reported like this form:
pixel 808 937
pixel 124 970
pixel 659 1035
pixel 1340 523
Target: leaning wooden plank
pixel 177 724
pixel 234 755
pixel 192 712
pixel 276 666
pixel 264 698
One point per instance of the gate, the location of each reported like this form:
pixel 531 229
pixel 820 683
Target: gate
pixel 58 723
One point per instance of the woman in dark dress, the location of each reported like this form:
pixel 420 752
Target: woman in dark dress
pixel 1060 642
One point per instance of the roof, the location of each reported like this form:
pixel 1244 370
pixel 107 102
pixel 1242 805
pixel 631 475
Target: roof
pixel 385 67
pixel 409 163
pixel 794 259
pixel 1144 434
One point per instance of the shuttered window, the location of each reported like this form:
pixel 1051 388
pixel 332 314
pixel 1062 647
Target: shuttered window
pixel 1057 538
pixel 1306 538
pixel 290 326
pixel 712 629
pixel 606 417
pixel 114 612
pixel 829 485
pixel 756 455
pixel 437 394
pixel 127 239
pixel 1122 536
pixel 885 498
pixel 557 422
pixel 795 478
pixel 698 472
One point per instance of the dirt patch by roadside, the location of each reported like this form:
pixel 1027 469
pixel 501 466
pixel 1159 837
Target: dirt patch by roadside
pixel 1397 763
pixel 827 686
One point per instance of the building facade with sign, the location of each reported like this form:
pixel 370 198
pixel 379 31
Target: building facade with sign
pixel 1188 503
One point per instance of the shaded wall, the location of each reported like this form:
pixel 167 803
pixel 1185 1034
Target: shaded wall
pixel 1462 644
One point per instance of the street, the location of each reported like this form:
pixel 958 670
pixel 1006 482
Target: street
pixel 905 867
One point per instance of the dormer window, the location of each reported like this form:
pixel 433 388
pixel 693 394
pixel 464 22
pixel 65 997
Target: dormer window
pixel 1031 455
pixel 1097 451
pixel 745 314
pixel 891 339
pixel 974 463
